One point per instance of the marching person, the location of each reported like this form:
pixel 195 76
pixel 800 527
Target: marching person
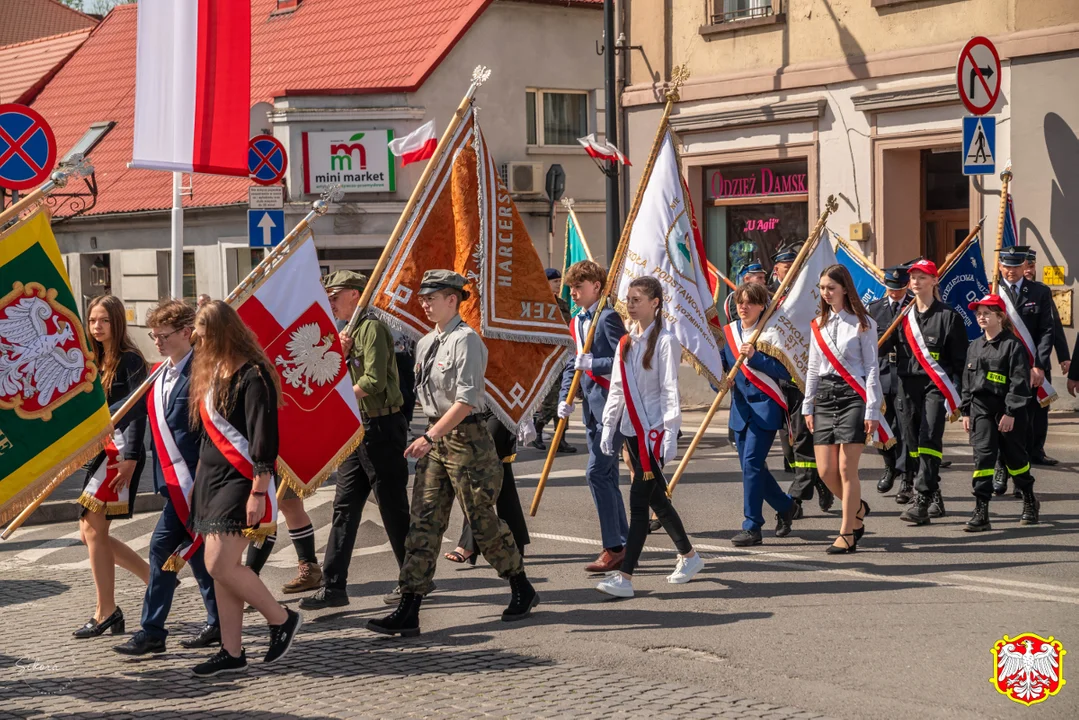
pixel 372 366
pixel 455 457
pixel 883 311
pixel 996 398
pixel 644 408
pixel 112 478
pixel 175 456
pixel 1040 421
pixel 234 392
pixel 758 411
pixel 309 574
pixel 781 264
pixel 549 408
pixel 930 346
pixel 754 274
pixel 843 397
pixel 585 280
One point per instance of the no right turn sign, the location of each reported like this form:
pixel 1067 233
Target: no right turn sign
pixel 978 75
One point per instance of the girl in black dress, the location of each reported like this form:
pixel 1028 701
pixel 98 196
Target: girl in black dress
pixel 234 393
pixel 122 371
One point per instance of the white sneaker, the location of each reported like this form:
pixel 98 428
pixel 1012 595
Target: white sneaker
pixel 615 583
pixel 686 569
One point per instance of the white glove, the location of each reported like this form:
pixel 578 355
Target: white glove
pixel 606 442
pixel 526 432
pixel 583 361
pixel 669 449
pixel 565 409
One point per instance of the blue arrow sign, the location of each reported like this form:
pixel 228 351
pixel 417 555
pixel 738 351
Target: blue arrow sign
pixel 265 228
pixel 979 145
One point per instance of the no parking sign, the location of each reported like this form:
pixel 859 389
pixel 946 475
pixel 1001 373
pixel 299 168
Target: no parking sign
pixel 27 148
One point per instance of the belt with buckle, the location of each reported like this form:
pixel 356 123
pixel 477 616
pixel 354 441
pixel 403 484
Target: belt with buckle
pixel 381 413
pixel 473 418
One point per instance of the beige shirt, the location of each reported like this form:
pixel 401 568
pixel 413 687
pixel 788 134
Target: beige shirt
pixel 457 370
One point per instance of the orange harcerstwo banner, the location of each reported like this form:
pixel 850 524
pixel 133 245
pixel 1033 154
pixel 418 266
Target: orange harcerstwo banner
pixel 466 221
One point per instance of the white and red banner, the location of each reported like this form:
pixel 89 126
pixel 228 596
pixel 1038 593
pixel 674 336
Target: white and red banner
pixel 1045 393
pixel 602 150
pixel 98 495
pixel 418 145
pixel 649 440
pixel 884 438
pixel 913 332
pixel 193 86
pixel 666 244
pixel 318 415
pixel 763 382
pixel 178 479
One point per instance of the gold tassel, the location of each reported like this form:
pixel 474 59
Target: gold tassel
pixel 91 503
pixel 117 508
pixel 45 485
pixel 175 563
pixel 649 475
pixel 258 535
pixel 509 459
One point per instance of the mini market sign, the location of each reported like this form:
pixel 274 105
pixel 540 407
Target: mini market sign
pixel 358 161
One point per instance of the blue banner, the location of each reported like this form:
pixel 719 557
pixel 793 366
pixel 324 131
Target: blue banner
pixel 964 283
pixel 865 280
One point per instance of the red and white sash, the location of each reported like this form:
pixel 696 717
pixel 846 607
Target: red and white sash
pixel 884 437
pixel 178 479
pixel 603 382
pixel 1046 394
pixel 913 332
pixel 98 495
pixel 233 446
pixel 763 382
pixel 649 442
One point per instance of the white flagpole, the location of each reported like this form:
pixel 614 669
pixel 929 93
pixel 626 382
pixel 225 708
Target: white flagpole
pixel 177 284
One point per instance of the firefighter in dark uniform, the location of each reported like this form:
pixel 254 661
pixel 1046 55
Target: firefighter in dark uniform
pixel 996 398
pixel 884 312
pixel 1060 346
pixel 921 404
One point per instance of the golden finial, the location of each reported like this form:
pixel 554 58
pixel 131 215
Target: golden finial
pixel 679 75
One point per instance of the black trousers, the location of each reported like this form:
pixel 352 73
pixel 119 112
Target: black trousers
pixel 895 457
pixel 989 443
pixel 508 505
pixel 805 459
pixel 406 374
pixel 384 442
pixel 922 415
pixel 645 494
pixel 1040 427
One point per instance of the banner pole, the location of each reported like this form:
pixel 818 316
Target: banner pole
pixel 1005 184
pixel 830 206
pixel 678 78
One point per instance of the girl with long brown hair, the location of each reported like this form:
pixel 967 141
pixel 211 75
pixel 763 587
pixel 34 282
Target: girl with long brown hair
pixel 112 479
pixel 234 395
pixel 842 405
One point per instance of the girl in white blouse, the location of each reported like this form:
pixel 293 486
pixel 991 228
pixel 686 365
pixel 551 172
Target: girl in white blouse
pixel 842 404
pixel 643 403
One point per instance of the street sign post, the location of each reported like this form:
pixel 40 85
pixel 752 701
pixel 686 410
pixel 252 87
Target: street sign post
pixel 266 159
pixel 977 75
pixel 27 148
pixel 979 145
pixel 265 228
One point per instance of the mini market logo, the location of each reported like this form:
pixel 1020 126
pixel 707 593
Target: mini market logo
pixel 341 154
pixel 1028 668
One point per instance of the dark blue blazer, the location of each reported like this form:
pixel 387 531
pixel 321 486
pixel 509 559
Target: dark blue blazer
pixel 177 420
pixel 609 332
pixel 750 406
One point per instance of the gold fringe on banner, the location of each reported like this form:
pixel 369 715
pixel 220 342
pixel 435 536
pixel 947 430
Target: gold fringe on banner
pixel 779 356
pixel 175 563
pixel 91 503
pixel 288 477
pixel 45 485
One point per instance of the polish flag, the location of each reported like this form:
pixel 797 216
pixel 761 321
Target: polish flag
pixel 193 86
pixel 418 145
pixel 602 150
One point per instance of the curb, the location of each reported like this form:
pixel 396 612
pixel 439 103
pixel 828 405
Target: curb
pixel 59 511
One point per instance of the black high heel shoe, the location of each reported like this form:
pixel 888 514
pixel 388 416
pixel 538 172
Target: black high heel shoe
pixel 864 510
pixel 93 628
pixel 460 559
pixel 836 550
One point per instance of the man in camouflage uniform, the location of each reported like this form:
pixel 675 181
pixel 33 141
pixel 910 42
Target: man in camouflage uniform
pixel 549 407
pixel 456 457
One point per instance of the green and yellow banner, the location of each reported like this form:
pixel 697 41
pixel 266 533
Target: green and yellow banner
pixel 53 416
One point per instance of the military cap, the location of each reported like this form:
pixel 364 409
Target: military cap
pixel 787 253
pixel 752 268
pixel 1014 256
pixel 435 280
pixel 553 274
pixel 344 280
pixel 1032 255
pixel 896 278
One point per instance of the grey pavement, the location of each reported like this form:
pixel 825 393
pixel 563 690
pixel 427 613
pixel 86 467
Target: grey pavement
pixel 903 628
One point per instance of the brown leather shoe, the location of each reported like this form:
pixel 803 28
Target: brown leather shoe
pixel 310 578
pixel 606 562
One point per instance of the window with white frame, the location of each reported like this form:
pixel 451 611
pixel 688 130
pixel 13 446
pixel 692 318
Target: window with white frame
pixel 556 117
pixel 734 10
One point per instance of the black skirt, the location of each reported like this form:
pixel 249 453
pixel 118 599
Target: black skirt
pixel 838 413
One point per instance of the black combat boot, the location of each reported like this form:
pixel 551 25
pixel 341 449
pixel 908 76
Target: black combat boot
pixel 825 498
pixel 524 598
pixel 918 511
pixel 936 505
pixel 979 521
pixel 906 491
pixel 887 480
pixel 1000 480
pixel 404 621
pixel 1031 507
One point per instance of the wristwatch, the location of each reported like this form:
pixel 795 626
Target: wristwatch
pixel 428 438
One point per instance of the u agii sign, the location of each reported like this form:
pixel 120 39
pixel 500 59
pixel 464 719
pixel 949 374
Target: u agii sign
pixel 358 161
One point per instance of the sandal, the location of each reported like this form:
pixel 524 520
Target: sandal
pixel 461 559
pixel 863 512
pixel 836 550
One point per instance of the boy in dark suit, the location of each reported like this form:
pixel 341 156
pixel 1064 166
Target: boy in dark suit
pixel 176 453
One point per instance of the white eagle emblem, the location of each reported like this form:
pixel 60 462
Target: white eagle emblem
pixel 1028 673
pixel 32 359
pixel 310 359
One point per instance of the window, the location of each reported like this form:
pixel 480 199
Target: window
pixel 732 10
pixel 555 117
pixel 164 275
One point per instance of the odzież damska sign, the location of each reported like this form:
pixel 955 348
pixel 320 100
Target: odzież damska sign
pixel 357 161
pixel 757 180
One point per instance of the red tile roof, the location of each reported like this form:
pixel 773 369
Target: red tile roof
pixel 31 64
pixel 32 19
pixel 322 47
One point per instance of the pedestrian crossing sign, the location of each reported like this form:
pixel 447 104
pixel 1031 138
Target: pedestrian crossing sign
pixel 979 145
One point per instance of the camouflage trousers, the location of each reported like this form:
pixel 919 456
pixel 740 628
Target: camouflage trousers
pixel 548 409
pixel 464 465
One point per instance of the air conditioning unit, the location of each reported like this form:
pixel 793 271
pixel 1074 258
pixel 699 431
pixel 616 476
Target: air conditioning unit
pixel 523 178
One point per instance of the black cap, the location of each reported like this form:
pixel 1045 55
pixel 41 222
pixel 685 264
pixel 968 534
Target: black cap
pixel 553 274
pixel 787 253
pixel 1014 256
pixel 896 278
